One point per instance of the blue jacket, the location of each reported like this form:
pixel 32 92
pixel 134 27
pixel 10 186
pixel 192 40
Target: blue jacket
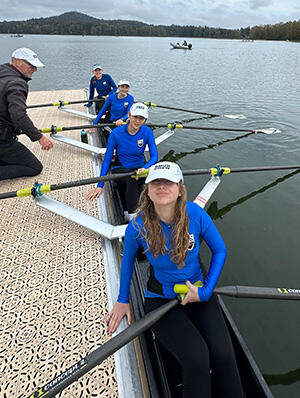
pixel 118 107
pixel 165 272
pixel 104 86
pixel 130 149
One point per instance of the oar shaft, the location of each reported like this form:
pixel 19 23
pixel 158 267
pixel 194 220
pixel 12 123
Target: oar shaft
pixel 100 354
pixel 88 181
pixel 180 109
pixel 259 292
pixel 203 128
pixel 62 103
pixel 263 168
pixel 54 129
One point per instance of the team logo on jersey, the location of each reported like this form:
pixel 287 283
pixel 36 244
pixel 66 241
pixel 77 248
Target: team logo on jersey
pixel 126 104
pixel 140 143
pixel 104 83
pixel 191 242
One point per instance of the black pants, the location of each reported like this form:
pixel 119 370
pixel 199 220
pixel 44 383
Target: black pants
pixel 17 161
pixel 98 107
pixel 129 189
pixel 197 335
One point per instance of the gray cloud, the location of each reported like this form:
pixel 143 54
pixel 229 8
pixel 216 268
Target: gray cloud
pixel 214 13
pixel 255 4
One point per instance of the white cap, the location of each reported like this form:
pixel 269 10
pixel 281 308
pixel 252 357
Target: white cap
pixel 28 55
pixel 165 170
pixel 123 82
pixel 139 109
pixel 97 66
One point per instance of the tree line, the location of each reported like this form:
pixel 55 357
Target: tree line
pixel 73 23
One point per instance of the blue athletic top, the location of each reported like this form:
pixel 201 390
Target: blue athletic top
pixel 104 86
pixel 166 272
pixel 118 107
pixel 130 149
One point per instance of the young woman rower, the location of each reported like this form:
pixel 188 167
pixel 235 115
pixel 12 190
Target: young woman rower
pixel 103 84
pixel 129 141
pixel 119 104
pixel 169 229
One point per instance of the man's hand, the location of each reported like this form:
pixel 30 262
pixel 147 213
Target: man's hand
pixel 45 143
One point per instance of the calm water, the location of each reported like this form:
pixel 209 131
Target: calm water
pixel 257 213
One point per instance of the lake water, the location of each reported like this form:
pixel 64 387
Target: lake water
pixel 257 213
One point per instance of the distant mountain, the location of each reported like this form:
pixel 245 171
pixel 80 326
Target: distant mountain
pixel 76 23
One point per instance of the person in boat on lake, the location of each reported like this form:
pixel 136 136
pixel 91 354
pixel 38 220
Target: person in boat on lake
pixel 168 228
pixel 16 160
pixel 104 85
pixel 129 141
pixel 119 104
pixel 184 43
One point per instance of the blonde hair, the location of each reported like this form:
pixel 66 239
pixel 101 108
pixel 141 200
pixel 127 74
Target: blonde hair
pixel 153 232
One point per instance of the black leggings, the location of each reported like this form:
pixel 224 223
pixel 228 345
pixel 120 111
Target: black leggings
pixel 197 335
pixel 18 161
pixel 129 189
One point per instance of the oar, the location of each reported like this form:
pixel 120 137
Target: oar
pixel 270 130
pixel 93 359
pixel 55 129
pixel 62 103
pixel 96 357
pixel 39 189
pixel 151 104
pixel 278 293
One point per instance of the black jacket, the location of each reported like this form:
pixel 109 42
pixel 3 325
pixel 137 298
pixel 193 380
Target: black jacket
pixel 13 116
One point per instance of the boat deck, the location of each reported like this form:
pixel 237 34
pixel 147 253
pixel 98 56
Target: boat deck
pixel 52 282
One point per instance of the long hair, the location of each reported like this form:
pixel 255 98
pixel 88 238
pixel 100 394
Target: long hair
pixel 153 232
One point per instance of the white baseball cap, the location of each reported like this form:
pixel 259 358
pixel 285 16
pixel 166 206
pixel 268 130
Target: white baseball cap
pixel 165 170
pixel 29 56
pixel 97 66
pixel 123 82
pixel 139 109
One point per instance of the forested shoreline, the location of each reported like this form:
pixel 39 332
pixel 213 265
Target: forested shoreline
pixel 74 23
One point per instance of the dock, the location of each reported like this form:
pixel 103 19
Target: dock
pixel 53 299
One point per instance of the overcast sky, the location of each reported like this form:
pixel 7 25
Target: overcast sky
pixel 213 13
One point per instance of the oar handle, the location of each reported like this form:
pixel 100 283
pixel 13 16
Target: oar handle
pixel 96 357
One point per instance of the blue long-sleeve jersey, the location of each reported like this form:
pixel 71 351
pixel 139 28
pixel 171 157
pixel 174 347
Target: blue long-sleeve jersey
pixel 130 149
pixel 104 86
pixel 166 272
pixel 119 108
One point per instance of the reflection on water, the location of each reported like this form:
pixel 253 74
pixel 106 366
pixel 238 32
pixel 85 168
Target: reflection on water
pixel 171 156
pixel 290 377
pixel 216 213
